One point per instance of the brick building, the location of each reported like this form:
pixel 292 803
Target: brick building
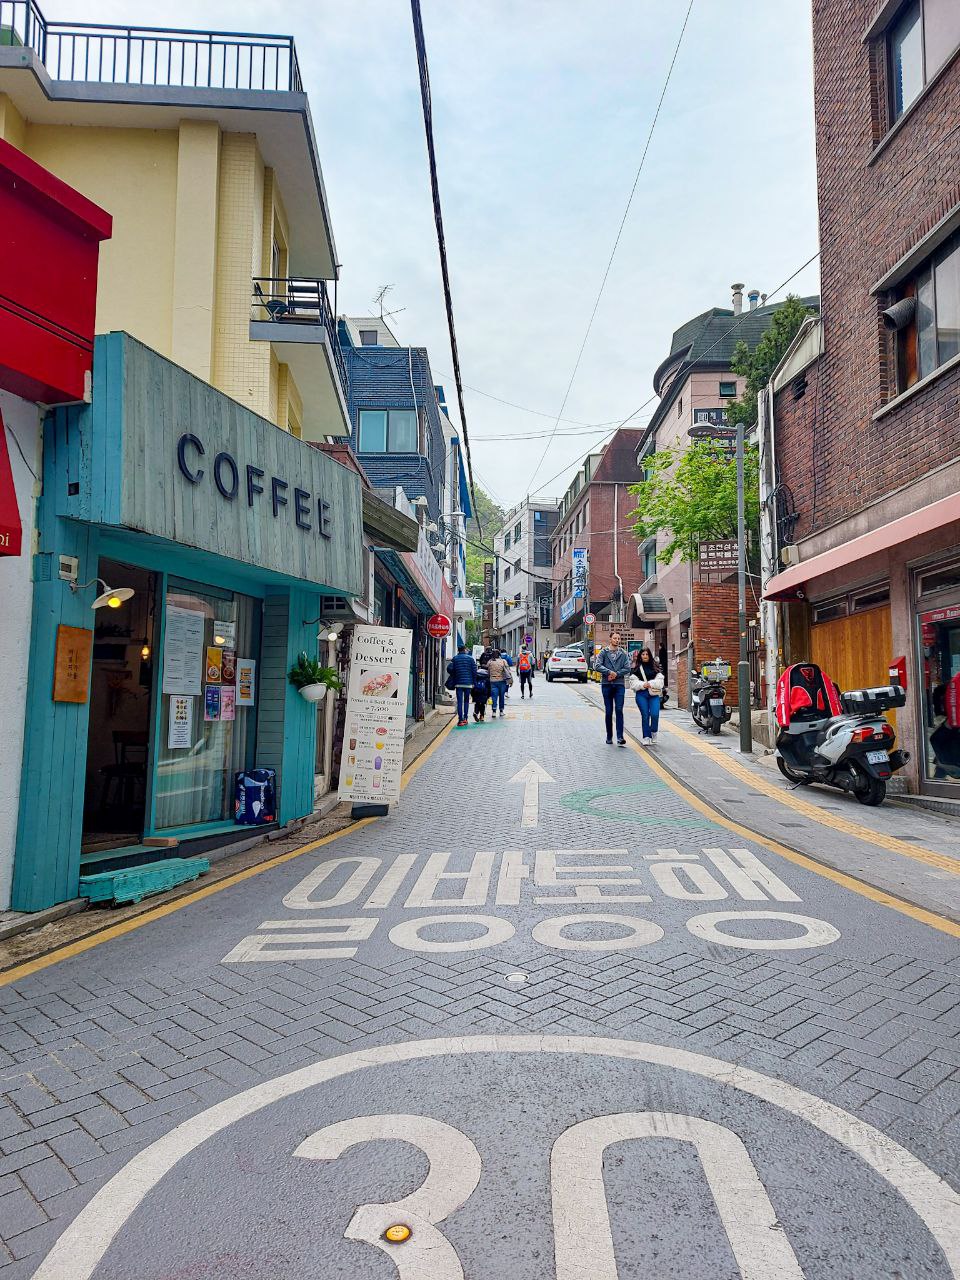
pixel 863 413
pixel 593 549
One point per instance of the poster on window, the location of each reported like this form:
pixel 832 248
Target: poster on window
pixel 228 702
pixel 214 664
pixel 225 633
pixel 180 722
pixel 183 651
pixel 246 682
pixel 211 702
pixel 228 667
pixel 372 762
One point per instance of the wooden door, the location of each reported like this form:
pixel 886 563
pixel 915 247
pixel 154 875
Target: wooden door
pixel 855 651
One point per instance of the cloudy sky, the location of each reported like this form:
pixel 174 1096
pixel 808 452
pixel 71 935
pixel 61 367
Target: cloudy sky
pixel 541 110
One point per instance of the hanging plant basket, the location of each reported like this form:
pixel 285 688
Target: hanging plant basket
pixel 311 679
pixel 313 692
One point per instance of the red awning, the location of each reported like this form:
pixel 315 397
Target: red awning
pixel 11 532
pixel 787 585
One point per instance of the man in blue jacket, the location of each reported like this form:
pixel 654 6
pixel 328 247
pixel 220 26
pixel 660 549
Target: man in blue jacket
pixel 463 671
pixel 613 665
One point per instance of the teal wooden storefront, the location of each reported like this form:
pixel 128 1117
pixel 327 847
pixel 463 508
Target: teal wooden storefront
pixel 196 500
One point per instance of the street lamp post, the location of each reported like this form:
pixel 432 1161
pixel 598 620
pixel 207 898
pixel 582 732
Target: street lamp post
pixel 743 667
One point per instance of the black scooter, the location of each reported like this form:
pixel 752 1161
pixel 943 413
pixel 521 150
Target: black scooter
pixel 708 697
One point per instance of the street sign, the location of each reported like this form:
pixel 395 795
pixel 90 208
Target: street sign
pixel 488 580
pixel 719 556
pixel 589 619
pixel 708 431
pixel 528 639
pixel 438 626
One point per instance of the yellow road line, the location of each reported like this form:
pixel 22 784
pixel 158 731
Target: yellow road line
pixel 167 908
pixel 793 801
pixel 799 859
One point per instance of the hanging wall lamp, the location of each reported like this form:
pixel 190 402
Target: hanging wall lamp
pixel 109 597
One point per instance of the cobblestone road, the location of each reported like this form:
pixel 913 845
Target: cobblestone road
pixel 568 1027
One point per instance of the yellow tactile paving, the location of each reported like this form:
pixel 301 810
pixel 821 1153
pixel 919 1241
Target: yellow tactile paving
pixel 793 801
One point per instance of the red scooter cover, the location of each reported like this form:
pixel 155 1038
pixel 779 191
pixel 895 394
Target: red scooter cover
pixel 804 687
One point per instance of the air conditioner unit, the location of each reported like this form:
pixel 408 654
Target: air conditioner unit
pixel 790 554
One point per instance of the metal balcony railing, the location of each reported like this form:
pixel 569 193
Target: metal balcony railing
pixel 294 301
pixel 166 56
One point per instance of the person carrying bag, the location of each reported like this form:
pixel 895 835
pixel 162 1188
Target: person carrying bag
pixel 498 669
pixel 613 666
pixel 646 682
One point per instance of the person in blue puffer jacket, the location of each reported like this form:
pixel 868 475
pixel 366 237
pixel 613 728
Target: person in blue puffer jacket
pixel 463 671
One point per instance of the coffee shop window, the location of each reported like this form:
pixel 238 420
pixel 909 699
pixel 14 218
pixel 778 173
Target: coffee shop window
pixel 214 737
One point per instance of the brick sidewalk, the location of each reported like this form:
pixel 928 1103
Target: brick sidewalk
pixel 824 824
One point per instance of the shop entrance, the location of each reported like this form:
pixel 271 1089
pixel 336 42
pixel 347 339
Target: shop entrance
pixel 121 697
pixel 940 673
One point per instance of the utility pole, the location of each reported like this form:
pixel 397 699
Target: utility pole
pixel 743 668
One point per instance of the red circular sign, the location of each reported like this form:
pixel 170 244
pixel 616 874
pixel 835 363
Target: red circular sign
pixel 438 626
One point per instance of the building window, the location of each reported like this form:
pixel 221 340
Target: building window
pixel 924 34
pixel 680 407
pixel 933 335
pixel 506 573
pixel 516 533
pixel 728 389
pixel 388 431
pixel 650 561
pixel 506 542
pixel 369 338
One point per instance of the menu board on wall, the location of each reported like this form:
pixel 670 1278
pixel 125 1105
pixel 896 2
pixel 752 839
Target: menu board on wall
pixel 183 651
pixel 71 671
pixel 372 762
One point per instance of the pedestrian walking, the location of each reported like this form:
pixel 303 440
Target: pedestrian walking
pixel 646 681
pixel 462 672
pixel 613 664
pixel 498 669
pixel 481 694
pixel 525 671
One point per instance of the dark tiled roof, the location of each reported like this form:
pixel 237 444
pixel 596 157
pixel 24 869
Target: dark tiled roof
pixel 712 336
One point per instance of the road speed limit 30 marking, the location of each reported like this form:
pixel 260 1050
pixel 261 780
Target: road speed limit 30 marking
pixel 582 1226
pixel 605 880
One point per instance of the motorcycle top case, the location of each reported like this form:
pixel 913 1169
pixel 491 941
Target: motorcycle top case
pixel 255 796
pixel 868 702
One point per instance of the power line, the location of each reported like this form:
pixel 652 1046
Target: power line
pixel 616 243
pixel 441 242
pixel 700 355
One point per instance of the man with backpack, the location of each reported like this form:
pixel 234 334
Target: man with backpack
pixel 525 671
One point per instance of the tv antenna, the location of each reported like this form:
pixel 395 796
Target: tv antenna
pixel 380 299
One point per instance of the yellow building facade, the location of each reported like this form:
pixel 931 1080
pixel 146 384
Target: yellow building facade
pixel 206 252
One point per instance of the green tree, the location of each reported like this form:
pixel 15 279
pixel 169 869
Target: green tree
pixel 690 496
pixel 757 365
pixel 491 521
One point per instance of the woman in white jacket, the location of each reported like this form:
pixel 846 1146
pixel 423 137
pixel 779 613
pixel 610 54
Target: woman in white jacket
pixel 647 683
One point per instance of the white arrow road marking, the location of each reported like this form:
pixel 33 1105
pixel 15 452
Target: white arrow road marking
pixel 531 775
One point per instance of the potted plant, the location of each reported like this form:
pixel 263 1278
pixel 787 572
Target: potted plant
pixel 311 679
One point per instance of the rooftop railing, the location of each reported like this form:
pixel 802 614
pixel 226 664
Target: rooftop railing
pixel 167 56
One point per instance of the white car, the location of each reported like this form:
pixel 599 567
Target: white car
pixel 566 664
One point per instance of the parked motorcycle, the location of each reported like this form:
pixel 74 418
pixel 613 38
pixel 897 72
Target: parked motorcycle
pixel 708 697
pixel 839 739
